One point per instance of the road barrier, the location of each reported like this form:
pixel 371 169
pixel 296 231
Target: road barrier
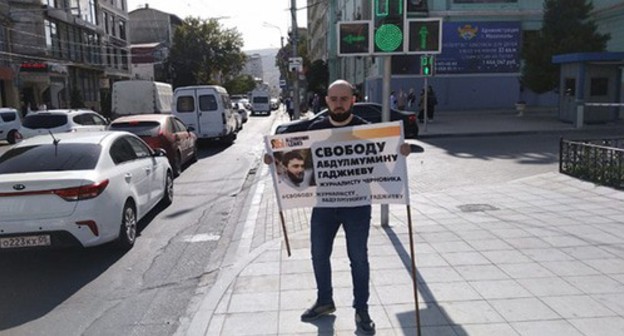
pixel 600 161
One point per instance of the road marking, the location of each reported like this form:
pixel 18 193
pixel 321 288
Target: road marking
pixel 202 237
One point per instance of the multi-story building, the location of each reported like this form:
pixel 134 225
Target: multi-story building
pixel 254 67
pixel 59 51
pixel 151 38
pixel 114 25
pixel 462 82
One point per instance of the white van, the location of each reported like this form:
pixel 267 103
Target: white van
pixel 208 109
pixel 10 123
pixel 140 97
pixel 260 102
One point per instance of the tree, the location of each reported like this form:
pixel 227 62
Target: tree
pixel 318 77
pixel 285 53
pixel 567 28
pixel 240 84
pixel 205 53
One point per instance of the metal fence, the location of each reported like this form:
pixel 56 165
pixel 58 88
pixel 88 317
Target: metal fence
pixel 600 161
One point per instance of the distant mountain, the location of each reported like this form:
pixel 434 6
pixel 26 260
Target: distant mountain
pixel 271 72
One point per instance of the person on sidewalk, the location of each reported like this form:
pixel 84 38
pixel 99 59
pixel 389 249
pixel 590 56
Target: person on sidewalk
pixel 432 101
pixel 325 222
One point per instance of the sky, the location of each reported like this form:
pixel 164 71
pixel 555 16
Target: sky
pixel 256 20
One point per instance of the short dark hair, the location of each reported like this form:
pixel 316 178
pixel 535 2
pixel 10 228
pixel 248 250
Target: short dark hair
pixel 291 156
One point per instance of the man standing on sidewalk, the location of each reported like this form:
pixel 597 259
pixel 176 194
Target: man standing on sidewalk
pixel 325 222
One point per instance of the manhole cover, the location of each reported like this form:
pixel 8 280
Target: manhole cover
pixel 476 207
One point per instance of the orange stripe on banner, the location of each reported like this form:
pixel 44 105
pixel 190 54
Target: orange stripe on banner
pixel 377 133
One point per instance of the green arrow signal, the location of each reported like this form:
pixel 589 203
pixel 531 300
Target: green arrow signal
pixel 423 32
pixel 351 39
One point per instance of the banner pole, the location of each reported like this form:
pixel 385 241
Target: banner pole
pixel 281 213
pixel 414 279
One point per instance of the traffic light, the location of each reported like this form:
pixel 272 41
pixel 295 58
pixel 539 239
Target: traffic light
pixel 353 38
pixel 389 30
pixel 427 65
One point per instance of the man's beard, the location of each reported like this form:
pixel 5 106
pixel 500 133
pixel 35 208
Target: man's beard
pixel 340 117
pixel 295 178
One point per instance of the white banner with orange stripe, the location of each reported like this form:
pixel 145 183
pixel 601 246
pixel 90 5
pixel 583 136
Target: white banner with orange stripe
pixel 340 167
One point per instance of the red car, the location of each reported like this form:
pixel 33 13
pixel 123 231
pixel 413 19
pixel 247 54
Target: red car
pixel 162 131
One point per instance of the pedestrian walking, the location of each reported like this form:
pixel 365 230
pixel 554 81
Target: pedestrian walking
pixel 393 100
pixel 411 99
pixel 355 221
pixel 290 108
pixel 402 100
pixel 432 101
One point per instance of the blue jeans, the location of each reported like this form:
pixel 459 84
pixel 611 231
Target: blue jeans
pixel 324 224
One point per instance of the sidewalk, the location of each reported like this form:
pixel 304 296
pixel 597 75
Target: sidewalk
pixel 538 256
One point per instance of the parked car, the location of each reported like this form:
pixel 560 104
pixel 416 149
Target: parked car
pixel 368 111
pixel 57 121
pixel 162 131
pixel 82 188
pixel 242 110
pixel 10 124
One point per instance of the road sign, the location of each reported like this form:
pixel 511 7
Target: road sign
pixel 295 64
pixel 424 36
pixel 354 38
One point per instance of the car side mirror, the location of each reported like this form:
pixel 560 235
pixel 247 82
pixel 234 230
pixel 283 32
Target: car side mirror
pixel 190 129
pixel 160 152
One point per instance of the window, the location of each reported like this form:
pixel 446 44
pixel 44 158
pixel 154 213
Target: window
pixel 121 151
pixel 8 116
pixel 141 150
pixel 207 103
pixel 122 30
pixel 106 21
pixel 569 88
pixel 185 104
pixel 44 121
pixel 50 157
pixel 599 86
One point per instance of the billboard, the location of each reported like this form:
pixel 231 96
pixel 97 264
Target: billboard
pixel 472 47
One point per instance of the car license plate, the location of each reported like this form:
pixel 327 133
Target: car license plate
pixel 25 241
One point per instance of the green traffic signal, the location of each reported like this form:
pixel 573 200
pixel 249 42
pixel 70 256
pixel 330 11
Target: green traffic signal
pixel 426 65
pixel 389 22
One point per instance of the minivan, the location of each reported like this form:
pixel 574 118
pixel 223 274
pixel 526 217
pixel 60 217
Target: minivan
pixel 260 102
pixel 10 124
pixel 208 110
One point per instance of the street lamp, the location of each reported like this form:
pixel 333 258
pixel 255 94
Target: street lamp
pixel 268 25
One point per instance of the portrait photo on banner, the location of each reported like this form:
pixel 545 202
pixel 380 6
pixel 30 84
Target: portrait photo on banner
pixel 341 167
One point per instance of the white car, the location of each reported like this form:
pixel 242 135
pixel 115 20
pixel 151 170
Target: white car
pixel 57 121
pixel 10 124
pixel 83 188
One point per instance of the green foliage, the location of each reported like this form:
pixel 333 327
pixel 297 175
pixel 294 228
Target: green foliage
pixel 75 99
pixel 318 77
pixel 240 84
pixel 283 55
pixel 567 28
pixel 203 52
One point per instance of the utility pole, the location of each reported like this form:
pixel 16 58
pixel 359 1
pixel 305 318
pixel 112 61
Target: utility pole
pixel 295 33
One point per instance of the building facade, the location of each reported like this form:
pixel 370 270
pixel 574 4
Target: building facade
pixel 462 83
pixel 61 52
pixel 151 39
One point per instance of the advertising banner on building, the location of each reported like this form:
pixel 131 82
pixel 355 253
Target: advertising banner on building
pixel 342 167
pixel 472 47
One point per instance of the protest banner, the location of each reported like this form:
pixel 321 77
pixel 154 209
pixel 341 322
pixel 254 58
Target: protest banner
pixel 340 167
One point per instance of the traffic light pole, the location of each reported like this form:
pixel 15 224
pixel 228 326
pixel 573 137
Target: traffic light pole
pixel 426 105
pixel 293 13
pixel 385 117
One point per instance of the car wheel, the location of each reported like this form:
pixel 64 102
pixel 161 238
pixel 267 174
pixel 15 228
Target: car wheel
pixel 12 137
pixel 128 229
pixel 177 165
pixel 168 195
